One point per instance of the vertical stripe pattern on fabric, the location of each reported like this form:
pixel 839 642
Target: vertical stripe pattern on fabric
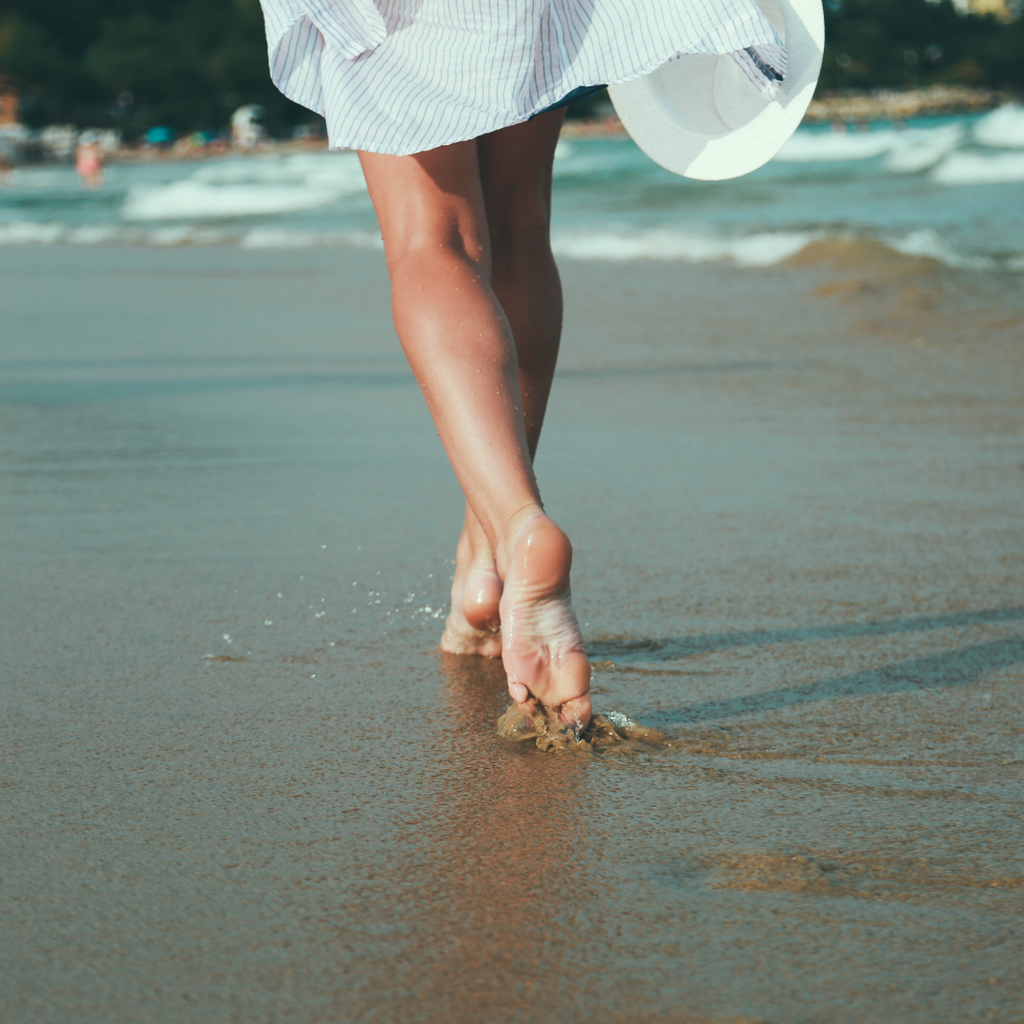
pixel 403 76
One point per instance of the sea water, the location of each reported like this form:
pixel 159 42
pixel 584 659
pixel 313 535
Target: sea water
pixel 948 188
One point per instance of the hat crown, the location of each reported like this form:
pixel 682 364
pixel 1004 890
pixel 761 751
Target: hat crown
pixel 702 116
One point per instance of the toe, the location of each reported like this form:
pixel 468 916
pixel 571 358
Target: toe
pixel 519 693
pixel 576 712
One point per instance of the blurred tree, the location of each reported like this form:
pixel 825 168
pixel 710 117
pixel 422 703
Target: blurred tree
pixel 895 43
pixel 188 63
pixel 135 63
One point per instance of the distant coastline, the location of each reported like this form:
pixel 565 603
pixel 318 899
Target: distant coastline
pixel 897 105
pixel 840 110
pixel 851 107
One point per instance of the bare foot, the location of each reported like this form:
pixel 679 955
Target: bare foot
pixel 542 648
pixel 473 625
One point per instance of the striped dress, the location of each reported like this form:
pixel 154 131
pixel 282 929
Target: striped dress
pixel 404 76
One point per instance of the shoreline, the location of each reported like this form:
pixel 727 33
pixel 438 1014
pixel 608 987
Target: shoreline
pixel 898 105
pixel 853 107
pixel 846 108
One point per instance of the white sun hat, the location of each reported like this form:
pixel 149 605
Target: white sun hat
pixel 702 116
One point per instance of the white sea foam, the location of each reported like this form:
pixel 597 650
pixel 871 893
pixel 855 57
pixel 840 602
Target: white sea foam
pixel 26 232
pixel 1002 127
pixel 762 249
pixel 243 188
pixel 199 199
pixel 92 234
pixel 287 238
pixel 918 149
pixel 816 147
pixel 906 151
pixel 927 242
pixel 756 250
pixel 980 169
pixel 50 233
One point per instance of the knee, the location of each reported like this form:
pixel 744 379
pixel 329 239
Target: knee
pixel 434 255
pixel 436 234
pixel 435 268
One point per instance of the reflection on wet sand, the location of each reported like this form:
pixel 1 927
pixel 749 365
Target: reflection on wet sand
pixel 508 855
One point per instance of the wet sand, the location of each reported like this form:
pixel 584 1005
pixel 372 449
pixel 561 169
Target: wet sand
pixel 241 783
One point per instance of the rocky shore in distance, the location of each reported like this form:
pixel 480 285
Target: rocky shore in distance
pixel 897 105
pixel 879 105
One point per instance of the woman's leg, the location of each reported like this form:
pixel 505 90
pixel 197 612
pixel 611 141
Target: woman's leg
pixel 515 171
pixel 458 341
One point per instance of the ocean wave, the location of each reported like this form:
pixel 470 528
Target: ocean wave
pixel 52 233
pixel 287 238
pixel 22 232
pixel 1002 128
pixel 762 249
pixel 757 249
pixel 906 151
pixel 171 235
pixel 246 188
pixel 929 243
pixel 980 169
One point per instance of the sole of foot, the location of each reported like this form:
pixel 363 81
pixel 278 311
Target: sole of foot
pixel 473 625
pixel 542 647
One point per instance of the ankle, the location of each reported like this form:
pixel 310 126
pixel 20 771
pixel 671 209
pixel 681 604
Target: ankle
pixel 475 555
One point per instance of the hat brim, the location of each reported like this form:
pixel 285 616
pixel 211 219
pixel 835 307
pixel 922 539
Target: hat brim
pixel 698 116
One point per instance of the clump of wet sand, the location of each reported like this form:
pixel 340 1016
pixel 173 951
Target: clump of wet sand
pixel 543 726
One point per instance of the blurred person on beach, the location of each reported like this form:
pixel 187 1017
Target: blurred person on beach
pixel 455 109
pixel 89 160
pixel 6 171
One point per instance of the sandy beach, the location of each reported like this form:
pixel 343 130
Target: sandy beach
pixel 241 783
